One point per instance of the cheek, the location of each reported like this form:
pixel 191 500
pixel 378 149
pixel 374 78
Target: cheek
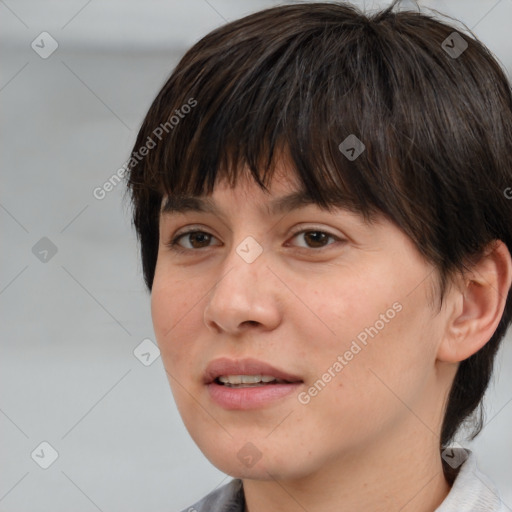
pixel 352 307
pixel 368 396
pixel 385 337
pixel 174 313
pixel 173 304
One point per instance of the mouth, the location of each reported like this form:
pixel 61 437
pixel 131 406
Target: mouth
pixel 246 373
pixel 248 383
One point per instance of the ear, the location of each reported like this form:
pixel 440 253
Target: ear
pixel 477 305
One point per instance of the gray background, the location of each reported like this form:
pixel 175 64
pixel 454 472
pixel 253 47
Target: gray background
pixel 70 324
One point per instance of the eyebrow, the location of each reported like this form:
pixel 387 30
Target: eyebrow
pixel 284 204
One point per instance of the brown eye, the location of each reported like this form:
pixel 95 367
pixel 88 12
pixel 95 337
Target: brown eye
pixel 195 238
pixel 315 238
pixel 198 237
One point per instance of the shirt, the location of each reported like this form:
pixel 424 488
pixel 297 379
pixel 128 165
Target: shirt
pixel 471 491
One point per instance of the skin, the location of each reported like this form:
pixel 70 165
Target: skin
pixel 369 440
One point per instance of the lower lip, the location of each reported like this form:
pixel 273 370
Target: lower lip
pixel 251 397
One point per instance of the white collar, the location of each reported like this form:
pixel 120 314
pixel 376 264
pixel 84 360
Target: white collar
pixel 471 491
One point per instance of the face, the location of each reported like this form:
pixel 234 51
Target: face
pixel 337 308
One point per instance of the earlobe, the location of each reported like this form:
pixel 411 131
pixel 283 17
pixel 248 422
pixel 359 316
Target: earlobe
pixel 477 305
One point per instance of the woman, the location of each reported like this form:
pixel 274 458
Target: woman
pixel 320 197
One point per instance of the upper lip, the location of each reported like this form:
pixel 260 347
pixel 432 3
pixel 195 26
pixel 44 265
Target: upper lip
pixel 247 366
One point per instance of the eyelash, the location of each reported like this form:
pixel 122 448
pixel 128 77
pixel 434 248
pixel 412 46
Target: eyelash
pixel 174 245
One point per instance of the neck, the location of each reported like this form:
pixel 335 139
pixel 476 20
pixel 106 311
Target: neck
pixel 403 474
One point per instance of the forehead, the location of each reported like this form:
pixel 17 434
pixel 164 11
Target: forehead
pixel 274 206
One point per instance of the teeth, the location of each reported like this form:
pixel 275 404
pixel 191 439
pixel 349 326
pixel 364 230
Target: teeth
pixel 247 379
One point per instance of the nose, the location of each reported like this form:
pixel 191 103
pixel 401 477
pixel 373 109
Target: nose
pixel 246 296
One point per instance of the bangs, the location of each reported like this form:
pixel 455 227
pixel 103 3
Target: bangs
pixel 286 103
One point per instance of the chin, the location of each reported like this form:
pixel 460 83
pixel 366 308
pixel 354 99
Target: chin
pixel 249 462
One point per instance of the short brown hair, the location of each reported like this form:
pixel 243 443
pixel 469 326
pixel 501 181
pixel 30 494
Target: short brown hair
pixel 437 131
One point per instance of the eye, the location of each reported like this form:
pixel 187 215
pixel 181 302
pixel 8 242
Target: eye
pixel 315 238
pixel 198 240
